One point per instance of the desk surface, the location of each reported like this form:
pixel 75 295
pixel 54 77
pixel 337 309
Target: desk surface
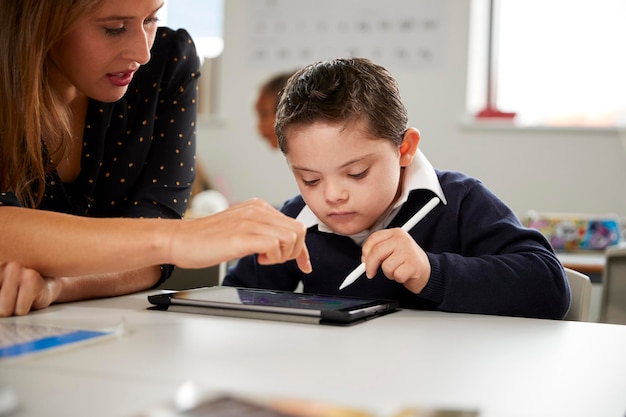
pixel 500 365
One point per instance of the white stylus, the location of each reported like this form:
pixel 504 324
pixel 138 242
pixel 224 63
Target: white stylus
pixel 359 270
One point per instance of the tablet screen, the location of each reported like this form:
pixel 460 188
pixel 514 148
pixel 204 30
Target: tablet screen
pixel 269 298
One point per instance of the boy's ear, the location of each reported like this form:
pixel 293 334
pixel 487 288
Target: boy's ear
pixel 409 145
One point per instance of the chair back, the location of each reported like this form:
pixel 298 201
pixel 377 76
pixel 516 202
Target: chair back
pixel 580 288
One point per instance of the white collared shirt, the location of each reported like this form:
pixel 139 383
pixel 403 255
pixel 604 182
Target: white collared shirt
pixel 419 175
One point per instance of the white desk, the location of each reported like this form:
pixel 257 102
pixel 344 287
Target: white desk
pixel 503 366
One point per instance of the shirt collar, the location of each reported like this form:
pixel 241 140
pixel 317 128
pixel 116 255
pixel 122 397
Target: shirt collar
pixel 420 174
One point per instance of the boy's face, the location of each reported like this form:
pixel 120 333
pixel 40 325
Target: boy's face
pixel 347 178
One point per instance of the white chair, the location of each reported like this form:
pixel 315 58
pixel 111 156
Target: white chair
pixel 613 308
pixel 580 288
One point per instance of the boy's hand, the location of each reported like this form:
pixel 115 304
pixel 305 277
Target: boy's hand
pixel 399 256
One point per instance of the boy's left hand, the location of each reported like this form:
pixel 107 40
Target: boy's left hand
pixel 399 256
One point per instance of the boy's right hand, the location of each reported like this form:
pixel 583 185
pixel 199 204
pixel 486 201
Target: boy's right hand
pixel 399 256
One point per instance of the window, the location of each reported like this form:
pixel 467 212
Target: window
pixel 203 19
pixel 556 62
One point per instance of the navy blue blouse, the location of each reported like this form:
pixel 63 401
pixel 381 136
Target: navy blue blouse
pixel 138 157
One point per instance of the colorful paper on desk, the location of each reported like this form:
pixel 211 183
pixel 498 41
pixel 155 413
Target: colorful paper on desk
pixel 20 339
pixel 577 231
pixel 229 405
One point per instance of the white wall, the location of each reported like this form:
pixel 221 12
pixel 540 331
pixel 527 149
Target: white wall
pixel 547 170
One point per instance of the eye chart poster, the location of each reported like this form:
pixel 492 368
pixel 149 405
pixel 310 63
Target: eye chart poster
pixel 292 33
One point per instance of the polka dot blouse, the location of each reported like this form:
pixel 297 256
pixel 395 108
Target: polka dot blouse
pixel 138 157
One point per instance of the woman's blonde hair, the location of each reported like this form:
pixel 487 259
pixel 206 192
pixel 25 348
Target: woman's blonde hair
pixel 31 111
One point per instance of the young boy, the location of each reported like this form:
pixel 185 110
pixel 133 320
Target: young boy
pixel 343 129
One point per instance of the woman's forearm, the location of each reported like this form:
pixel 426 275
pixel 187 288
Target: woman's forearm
pixel 61 245
pixel 23 289
pixel 105 285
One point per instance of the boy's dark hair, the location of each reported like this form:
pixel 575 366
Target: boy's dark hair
pixel 346 91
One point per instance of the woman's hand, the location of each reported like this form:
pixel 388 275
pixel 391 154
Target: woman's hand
pixel 399 256
pixel 140 245
pixel 23 289
pixel 243 229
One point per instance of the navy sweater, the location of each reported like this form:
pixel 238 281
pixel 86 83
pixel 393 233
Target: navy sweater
pixel 482 259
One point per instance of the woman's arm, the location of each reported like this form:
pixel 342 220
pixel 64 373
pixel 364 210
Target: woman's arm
pixel 24 289
pixel 48 257
pixel 56 244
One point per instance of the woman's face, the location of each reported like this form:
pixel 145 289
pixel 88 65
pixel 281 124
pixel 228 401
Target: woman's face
pixel 102 52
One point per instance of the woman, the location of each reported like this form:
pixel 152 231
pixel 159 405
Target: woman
pixel 97 157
